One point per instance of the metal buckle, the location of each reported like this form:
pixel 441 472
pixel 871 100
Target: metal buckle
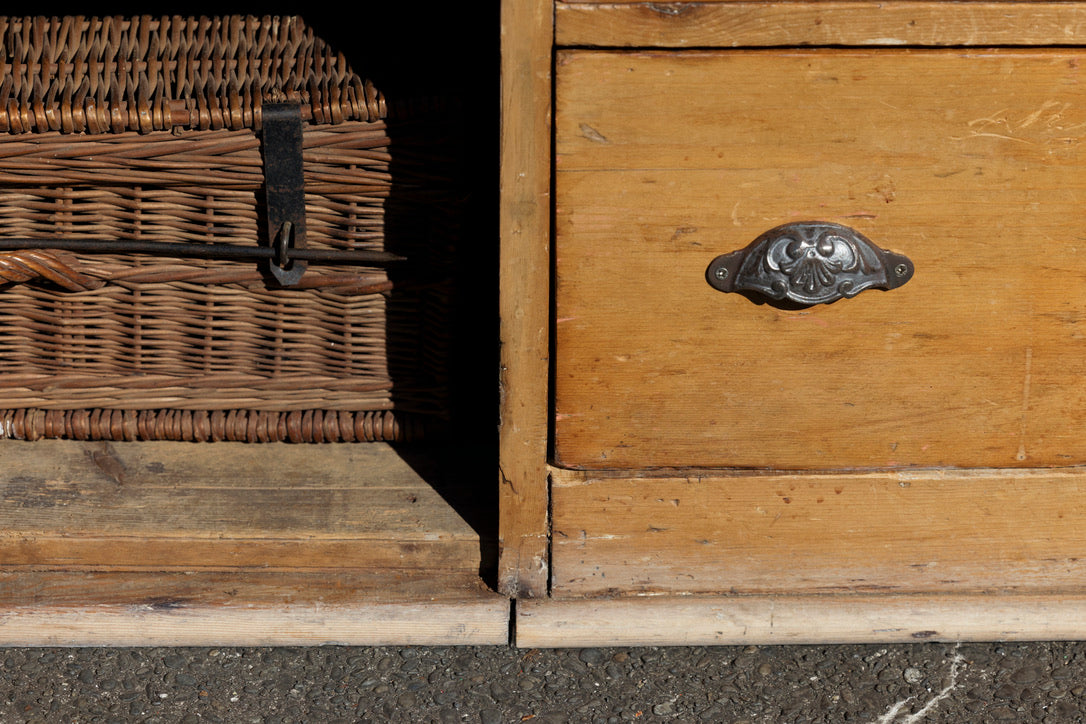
pixel 284 188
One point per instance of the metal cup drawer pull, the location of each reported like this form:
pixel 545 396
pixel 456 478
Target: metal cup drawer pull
pixel 807 263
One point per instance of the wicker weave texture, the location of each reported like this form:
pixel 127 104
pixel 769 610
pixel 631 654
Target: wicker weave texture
pixel 167 112
pixel 109 75
pixel 208 426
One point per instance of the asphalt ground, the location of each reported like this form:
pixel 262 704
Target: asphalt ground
pixel 900 684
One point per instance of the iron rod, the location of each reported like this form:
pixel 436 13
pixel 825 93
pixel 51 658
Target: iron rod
pixel 201 251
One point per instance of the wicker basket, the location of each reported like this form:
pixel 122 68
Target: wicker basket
pixel 148 130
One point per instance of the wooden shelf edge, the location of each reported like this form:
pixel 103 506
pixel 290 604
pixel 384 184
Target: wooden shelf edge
pixel 817 619
pixel 247 609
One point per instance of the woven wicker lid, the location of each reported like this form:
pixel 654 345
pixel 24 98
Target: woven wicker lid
pixel 114 74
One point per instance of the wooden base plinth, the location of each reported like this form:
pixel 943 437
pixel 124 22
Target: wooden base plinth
pixel 246 609
pixel 128 544
pixel 704 621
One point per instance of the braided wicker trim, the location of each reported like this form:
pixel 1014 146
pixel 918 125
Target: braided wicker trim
pixel 109 75
pixel 308 426
pixel 27 265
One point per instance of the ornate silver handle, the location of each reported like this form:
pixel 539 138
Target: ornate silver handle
pixel 809 262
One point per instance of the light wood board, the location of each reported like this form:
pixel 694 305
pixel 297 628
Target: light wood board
pixel 968 162
pixel 257 609
pixel 525 212
pixel 130 544
pixel 905 532
pixel 706 621
pixel 750 24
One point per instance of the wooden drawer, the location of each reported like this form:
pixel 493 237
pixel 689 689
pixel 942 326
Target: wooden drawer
pixel 684 406
pixel 970 163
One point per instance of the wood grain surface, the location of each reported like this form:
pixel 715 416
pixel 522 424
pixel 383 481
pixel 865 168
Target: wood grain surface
pixel 969 162
pixel 164 543
pixel 224 506
pixel 525 213
pixel 906 532
pixel 740 23
pixel 258 609
pixel 739 620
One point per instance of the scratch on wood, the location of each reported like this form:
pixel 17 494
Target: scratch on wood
pixel 1025 405
pixel 1046 124
pixel 592 134
pixel 165 604
pixel 682 230
pixel 978 134
pixel 1055 110
pixel 670 9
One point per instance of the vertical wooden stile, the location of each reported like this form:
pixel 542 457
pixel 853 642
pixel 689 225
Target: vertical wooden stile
pixel 527 29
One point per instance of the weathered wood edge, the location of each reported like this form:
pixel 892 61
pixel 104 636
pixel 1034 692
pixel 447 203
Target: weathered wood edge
pixel 527 35
pixel 834 22
pixel 157 609
pixel 830 619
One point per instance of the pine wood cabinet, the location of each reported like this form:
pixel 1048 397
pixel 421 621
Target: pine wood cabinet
pixel 681 464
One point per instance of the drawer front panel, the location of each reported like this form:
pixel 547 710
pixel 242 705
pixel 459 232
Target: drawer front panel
pixel 969 163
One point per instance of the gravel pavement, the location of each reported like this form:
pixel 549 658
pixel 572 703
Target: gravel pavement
pixel 907 684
